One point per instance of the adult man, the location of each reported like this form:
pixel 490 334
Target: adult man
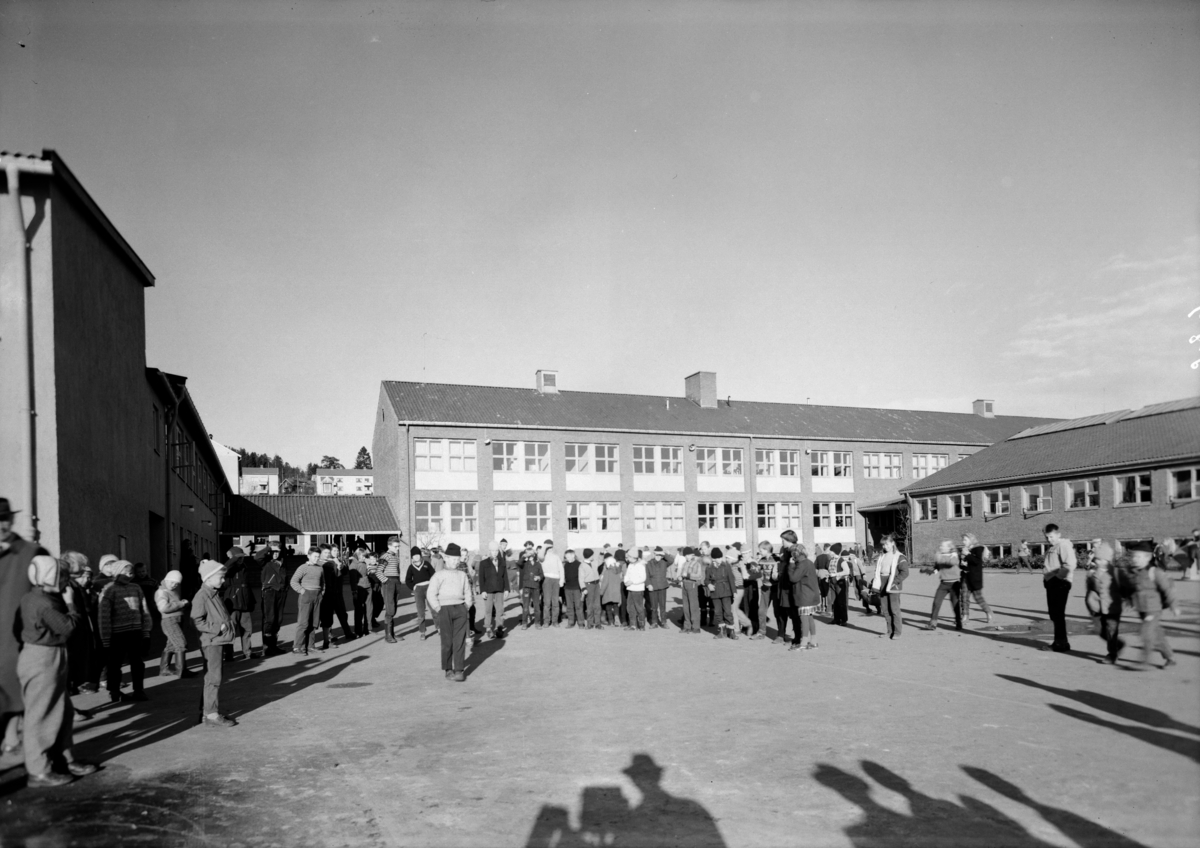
pixel 531 588
pixel 691 576
pixel 493 580
pixel 552 572
pixel 308 583
pixel 16 554
pixel 274 599
pixel 449 595
pixel 239 600
pixel 333 602
pixel 656 588
pixel 1057 574
pixel 360 588
pixel 390 587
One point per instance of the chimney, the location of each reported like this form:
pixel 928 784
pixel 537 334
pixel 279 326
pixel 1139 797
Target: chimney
pixel 547 382
pixel 983 408
pixel 701 389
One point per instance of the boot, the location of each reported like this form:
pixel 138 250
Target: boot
pixel 389 631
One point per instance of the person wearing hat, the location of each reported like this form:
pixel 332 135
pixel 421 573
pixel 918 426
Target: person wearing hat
pixel 391 579
pixel 691 576
pixel 1148 589
pixel 493 581
pixel 610 587
pixel 656 589
pixel 449 595
pixel 211 618
pixel 572 589
pixel 125 625
pixel 1103 600
pixel 420 571
pixel 274 600
pixel 170 607
pixel 15 556
pixel 45 620
pixel 239 598
pixel 719 579
pixel 530 569
pixel 83 648
pixel 589 579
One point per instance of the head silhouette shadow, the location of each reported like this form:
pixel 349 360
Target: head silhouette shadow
pixel 606 817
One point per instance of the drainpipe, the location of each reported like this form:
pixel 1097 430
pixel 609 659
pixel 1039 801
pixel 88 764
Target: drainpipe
pixel 16 296
pixel 172 422
pixel 752 490
pixel 408 475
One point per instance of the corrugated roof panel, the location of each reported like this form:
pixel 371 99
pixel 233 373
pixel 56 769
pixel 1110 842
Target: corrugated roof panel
pixel 1167 406
pixel 288 514
pixel 1073 424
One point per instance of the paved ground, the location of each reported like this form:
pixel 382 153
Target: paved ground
pixel 570 738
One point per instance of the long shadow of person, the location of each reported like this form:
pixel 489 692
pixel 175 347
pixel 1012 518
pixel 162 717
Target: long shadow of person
pixel 1084 831
pixel 607 818
pixel 480 654
pixel 1177 744
pixel 1109 704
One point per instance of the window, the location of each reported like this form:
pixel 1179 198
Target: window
pixel 1185 484
pixel 789 463
pixel 156 436
pixel 1037 548
pixel 429 517
pixel 579 517
pixel 822 515
pixel 463 517
pixel 671 516
pixel 608 516
pixel 507 517
pixel 843 515
pixel 669 461
pixel 707 516
pixel 645 516
pixel 998 551
pixel 578 458
pixel 789 516
pixel 606 459
pixel 843 464
pixel 1083 494
pixel 959 506
pixel 537 456
pixel 734 515
pixel 1133 489
pixel 327 487
pixel 1037 498
pixel 428 453
pixel 767 516
pixel 927 509
pixel 882 465
pixel 731 461
pixel 537 516
pixel 504 456
pixel 924 464
pixel 706 462
pixel 643 459
pixel 996 503
pixel 820 464
pixel 462 455
pixel 764 464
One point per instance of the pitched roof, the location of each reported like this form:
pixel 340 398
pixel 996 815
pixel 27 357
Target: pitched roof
pixel 1165 433
pixel 344 472
pixel 494 406
pixel 274 514
pixel 260 472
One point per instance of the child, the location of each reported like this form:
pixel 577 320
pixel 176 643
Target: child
pixel 216 631
pixel 610 589
pixel 125 626
pixel 171 607
pixel 1102 602
pixel 46 619
pixel 1150 590
pixel 719 578
pixel 949 571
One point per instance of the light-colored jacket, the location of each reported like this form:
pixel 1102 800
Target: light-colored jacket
pixel 588 573
pixel 895 579
pixel 635 576
pixel 1060 561
pixel 552 566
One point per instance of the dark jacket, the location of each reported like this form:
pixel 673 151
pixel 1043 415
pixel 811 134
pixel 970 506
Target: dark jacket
pixel 238 595
pixel 656 574
pixel 721 578
pixel 209 614
pixel 973 569
pixel 806 586
pixel 531 572
pixel 493 574
pixel 423 574
pixel 274 576
pixel 784 579
pixel 43 619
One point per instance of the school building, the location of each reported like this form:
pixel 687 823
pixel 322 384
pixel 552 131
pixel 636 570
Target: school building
pixel 1131 475
pixel 471 464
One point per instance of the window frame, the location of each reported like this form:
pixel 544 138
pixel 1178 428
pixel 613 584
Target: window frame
pixel 733 515
pixel 670 465
pixel 765 462
pixel 606 455
pixel 707 458
pixel 791 515
pixel 843 514
pixel 789 459
pixel 578 454
pixel 672 516
pixel 504 457
pixel 822 515
pixel 514 513
pixel 1119 490
pixel 766 515
pixel 926 508
pixel 819 464
pixel 540 457
pixel 925 464
pixel 429 518
pixel 959 507
pixel 1194 473
pixel 645 516
pixel 429 456
pixel 733 462
pixel 579 513
pixel 644 457
pixel 1003 498
pixel 842 463
pixel 542 518
pixel 707 515
pixel 1091 490
pixel 468 513
pixel 465 457
pixel 608 513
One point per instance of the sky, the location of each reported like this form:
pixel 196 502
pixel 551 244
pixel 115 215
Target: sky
pixel 889 204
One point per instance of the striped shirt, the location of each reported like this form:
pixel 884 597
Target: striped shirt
pixel 390 565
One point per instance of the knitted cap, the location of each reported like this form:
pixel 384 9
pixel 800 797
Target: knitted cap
pixel 209 567
pixel 715 553
pixel 588 553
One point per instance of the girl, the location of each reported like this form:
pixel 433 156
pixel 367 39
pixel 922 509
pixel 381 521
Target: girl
pixel 949 573
pixel 171 607
pixel 973 576
pixel 610 590
pixel 807 595
pixel 890 570
pixel 125 625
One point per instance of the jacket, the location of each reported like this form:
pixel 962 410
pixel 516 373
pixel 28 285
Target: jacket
pixel 895 578
pixel 1060 561
pixel 806 585
pixel 948 567
pixel 123 609
pixel 238 595
pixel 531 572
pixel 692 569
pixel 635 576
pixel 210 616
pixel 973 569
pixel 1103 595
pixel 1148 588
pixel 493 574
pixel 43 619
pixel 610 583
pixel 720 577
pixel 419 574
pixel 274 576
pixel 552 566
pixel 587 573
pixel 656 574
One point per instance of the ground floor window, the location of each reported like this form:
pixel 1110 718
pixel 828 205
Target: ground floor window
pixel 926 509
pixel 707 516
pixel 1185 483
pixel 537 516
pixel 507 517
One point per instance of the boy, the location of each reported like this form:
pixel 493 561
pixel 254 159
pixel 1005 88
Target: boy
pixel 308 583
pixel 216 631
pixel 1103 602
pixel 589 579
pixel 1057 573
pixel 572 589
pixel 531 588
pixel 1150 590
pixel 449 596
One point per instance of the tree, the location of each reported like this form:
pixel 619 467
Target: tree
pixel 331 462
pixel 363 460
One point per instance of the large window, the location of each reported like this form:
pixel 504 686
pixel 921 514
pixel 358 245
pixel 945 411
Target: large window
pixel 608 516
pixel 462 455
pixel 707 515
pixel 768 514
pixel 843 464
pixel 833 515
pixel 733 515
pixel 789 463
pixel 926 508
pixel 1133 489
pixel 959 506
pixel 820 464
pixel 645 516
pixel 606 459
pixel 643 459
pixel 537 516
pixel 507 517
pixel 832 463
pixel 670 515
pixel 669 461
pixel 578 458
pixel 996 502
pixel 765 464
pixel 504 456
pixel 706 462
pixel 429 517
pixel 537 456
pixel 1037 498
pixel 882 465
pixel 924 464
pixel 428 453
pixel 789 516
pixel 587 517
pixel 1083 494
pixel 731 462
pixel 1185 483
pixel 463 518
pixel 579 517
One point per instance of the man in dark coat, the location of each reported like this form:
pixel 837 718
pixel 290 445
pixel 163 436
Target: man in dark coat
pixel 15 556
pixel 493 581
pixel 656 589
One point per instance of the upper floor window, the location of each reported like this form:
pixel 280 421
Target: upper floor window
pixel 1133 488
pixel 1185 483
pixel 1083 494
pixel 731 461
pixel 959 506
pixel 706 462
pixel 832 463
pixel 764 464
pixel 578 458
pixel 537 456
pixel 643 459
pixel 504 456
pixel 1037 498
pixel 606 459
pixel 882 465
pixel 669 461
pixel 996 502
pixel 462 454
pixel 789 463
pixel 924 464
pixel 428 453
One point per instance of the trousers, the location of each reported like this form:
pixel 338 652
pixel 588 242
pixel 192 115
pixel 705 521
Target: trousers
pixel 1057 592
pixel 243 629
pixel 889 603
pixel 550 601
pixel 531 605
pixel 574 606
pixel 722 613
pixel 764 604
pixel 1153 639
pixel 176 645
pixel 307 609
pixel 658 606
pixel 953 589
pixel 49 717
pixel 273 603
pixel 420 604
pixel 127 644
pixel 593 603
pixel 493 608
pixel 691 606
pixel 214 659
pixel 636 610
pixel 452 628
pixel 390 589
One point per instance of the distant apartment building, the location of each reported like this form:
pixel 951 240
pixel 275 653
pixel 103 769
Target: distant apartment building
pixel 259 481
pixel 344 481
pixel 475 463
pixel 1131 475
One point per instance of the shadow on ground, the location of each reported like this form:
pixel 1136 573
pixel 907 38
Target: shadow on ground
pixel 607 818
